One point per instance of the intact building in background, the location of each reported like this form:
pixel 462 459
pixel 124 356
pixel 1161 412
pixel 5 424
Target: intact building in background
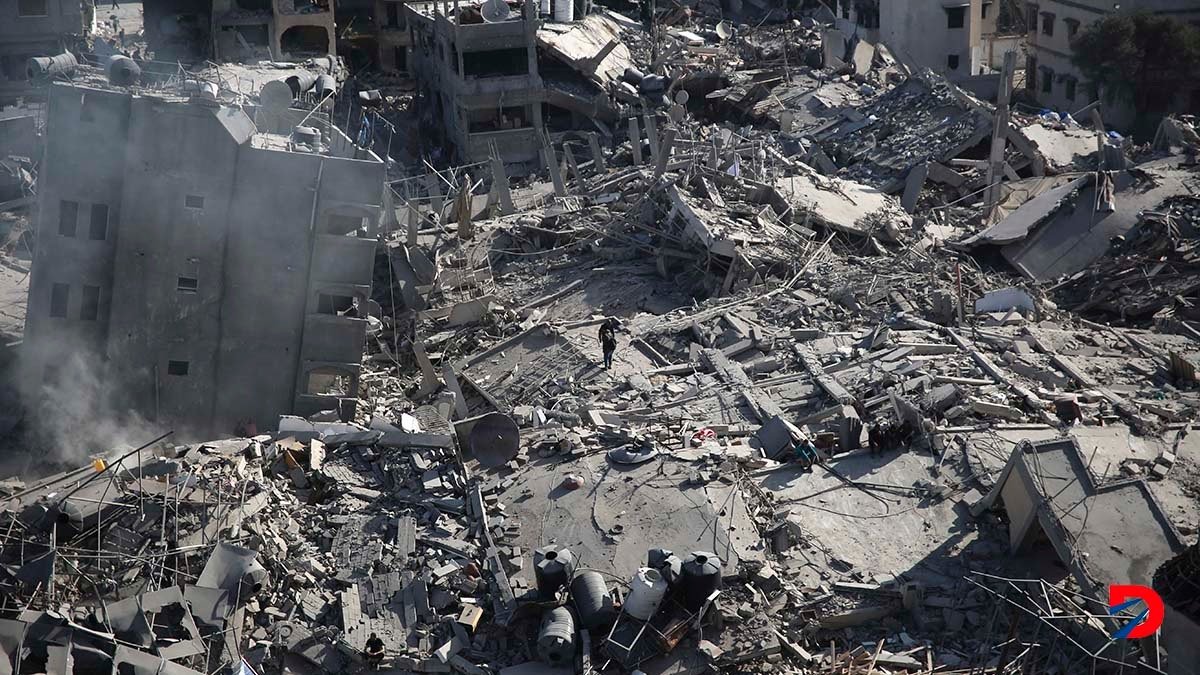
pixel 31 28
pixel 946 37
pixel 210 272
pixel 1052 24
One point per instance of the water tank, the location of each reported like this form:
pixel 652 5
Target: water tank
pixel 300 82
pixel 592 600
pixel 633 76
pixel 325 85
pixel 556 638
pixel 41 67
pixel 122 71
pixel 201 89
pixel 309 136
pixel 552 569
pixel 646 592
pixel 276 96
pixel 564 11
pixel 666 562
pixel 701 576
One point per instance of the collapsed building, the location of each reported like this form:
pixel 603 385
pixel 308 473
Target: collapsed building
pixel 240 30
pixel 165 261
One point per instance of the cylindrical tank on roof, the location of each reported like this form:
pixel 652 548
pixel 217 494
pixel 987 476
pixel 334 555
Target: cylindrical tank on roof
pixel 701 576
pixel 300 82
pixel 633 76
pixel 556 639
pixel 122 70
pixel 552 569
pixel 51 66
pixel 275 96
pixel 200 88
pixel 592 600
pixel 326 84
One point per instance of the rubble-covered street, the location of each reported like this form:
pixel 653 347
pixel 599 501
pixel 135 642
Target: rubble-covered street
pixel 747 347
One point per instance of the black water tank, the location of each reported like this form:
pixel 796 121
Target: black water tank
pixel 701 576
pixel 552 569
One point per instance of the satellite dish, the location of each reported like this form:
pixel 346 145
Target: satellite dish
pixel 681 97
pixel 494 11
pixel 724 30
pixel 678 112
pixel 494 440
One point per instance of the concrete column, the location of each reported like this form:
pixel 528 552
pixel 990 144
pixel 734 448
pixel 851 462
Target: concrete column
pixel 433 183
pixel 570 155
pixel 635 140
pixel 652 135
pixel 664 153
pixel 551 159
pixel 500 186
pixel 414 223
pixel 598 162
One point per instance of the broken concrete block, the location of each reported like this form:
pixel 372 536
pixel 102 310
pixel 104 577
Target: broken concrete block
pixel 996 410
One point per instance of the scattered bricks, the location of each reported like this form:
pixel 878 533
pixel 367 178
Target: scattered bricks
pixel 711 652
pixel 767 580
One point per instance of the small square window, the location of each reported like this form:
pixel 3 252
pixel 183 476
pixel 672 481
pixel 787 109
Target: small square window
pixel 99 228
pixel 178 368
pixel 31 7
pixel 90 309
pixel 68 216
pixel 194 202
pixel 956 17
pixel 60 296
pixel 952 61
pixel 187 285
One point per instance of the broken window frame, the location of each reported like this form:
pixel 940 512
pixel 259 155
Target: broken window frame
pixel 63 210
pixel 953 13
pixel 335 374
pixel 24 14
pixel 98 223
pixel 89 307
pixel 60 300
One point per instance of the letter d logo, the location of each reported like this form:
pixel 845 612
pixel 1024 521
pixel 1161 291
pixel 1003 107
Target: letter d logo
pixel 1122 597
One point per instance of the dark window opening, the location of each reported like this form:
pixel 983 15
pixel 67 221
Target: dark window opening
pixel 343 224
pixel 177 367
pixel 90 309
pixel 393 15
pixel 1069 89
pixel 1047 80
pixel 68 216
pixel 339 305
pixel 952 61
pixel 401 58
pixel 193 201
pixel 499 120
pixel 1072 27
pixel 984 14
pixel 60 295
pixel 187 285
pixel 496 62
pixel 31 7
pixel 1031 18
pixel 1047 23
pixel 99 227
pixel 956 17
pixel 254 6
pixel 329 382
pixel 305 40
pixel 1030 73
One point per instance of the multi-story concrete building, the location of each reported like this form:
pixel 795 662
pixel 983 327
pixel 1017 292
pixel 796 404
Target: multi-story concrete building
pixel 1052 24
pixel 211 272
pixel 394 40
pixel 30 28
pixel 233 30
pixel 479 80
pixel 946 37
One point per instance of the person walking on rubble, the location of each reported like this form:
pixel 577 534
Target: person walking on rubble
pixel 608 340
pixel 374 652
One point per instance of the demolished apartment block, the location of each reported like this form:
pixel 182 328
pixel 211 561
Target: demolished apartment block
pixel 240 30
pixel 209 272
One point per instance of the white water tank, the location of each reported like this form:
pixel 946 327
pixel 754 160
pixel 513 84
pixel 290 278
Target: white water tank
pixel 646 592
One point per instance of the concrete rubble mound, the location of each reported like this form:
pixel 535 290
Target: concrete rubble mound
pixel 695 346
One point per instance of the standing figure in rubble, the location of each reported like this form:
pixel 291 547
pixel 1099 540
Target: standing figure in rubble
pixel 374 652
pixel 608 340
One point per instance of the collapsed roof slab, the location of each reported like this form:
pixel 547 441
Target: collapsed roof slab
pixel 593 47
pixel 841 204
